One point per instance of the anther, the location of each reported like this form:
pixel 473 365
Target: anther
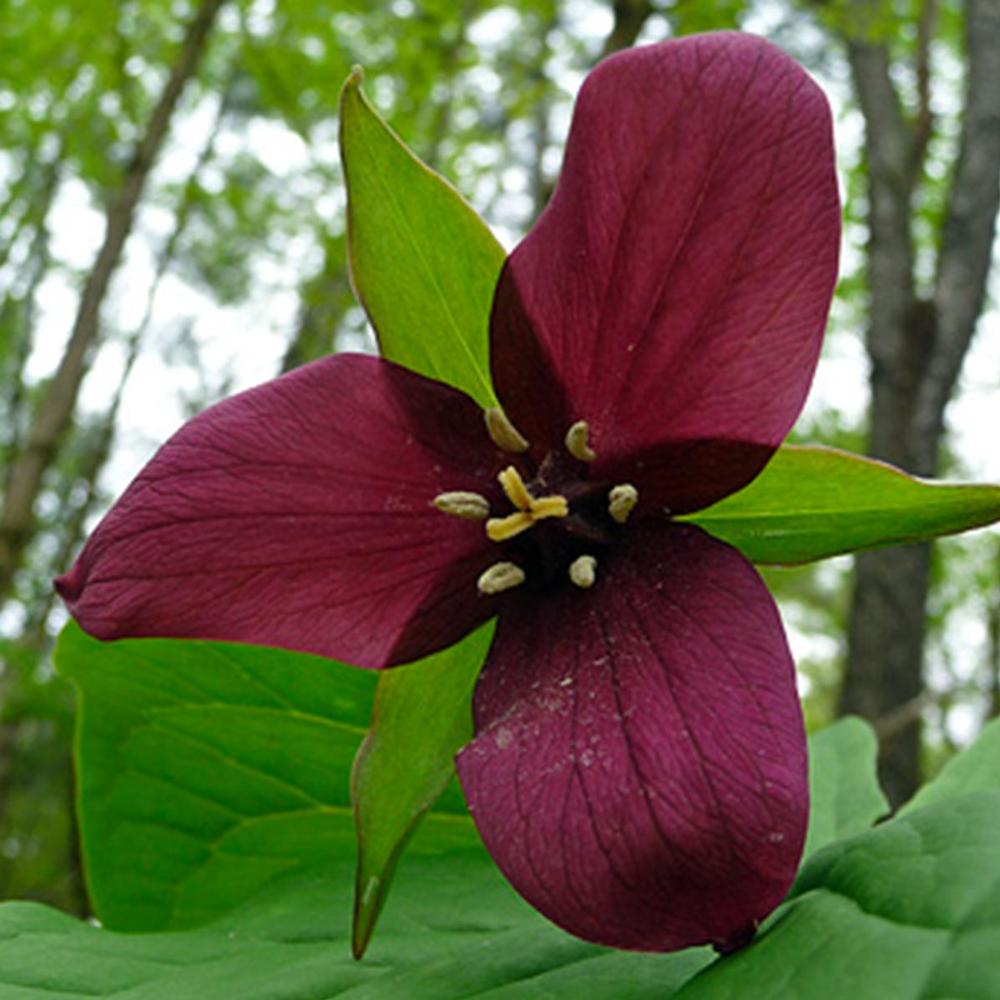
pixel 577 442
pixel 513 486
pixel 499 577
pixel 553 506
pixel 500 529
pixel 621 500
pixel 460 503
pixel 502 432
pixel 583 571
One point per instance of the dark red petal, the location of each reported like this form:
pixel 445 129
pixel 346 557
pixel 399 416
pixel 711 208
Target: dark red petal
pixel 677 286
pixel 639 769
pixel 299 514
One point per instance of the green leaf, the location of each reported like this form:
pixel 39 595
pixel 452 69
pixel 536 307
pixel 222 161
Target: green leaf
pixel 975 769
pixel 908 910
pixel 455 930
pixel 421 719
pixel 424 265
pixel 845 797
pixel 207 769
pixel 813 502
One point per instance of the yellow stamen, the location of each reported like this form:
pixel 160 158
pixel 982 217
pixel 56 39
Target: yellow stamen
pixel 499 577
pixel 502 432
pixel 621 500
pixel 577 442
pixel 513 486
pixel 553 506
pixel 499 529
pixel 529 509
pixel 583 571
pixel 461 503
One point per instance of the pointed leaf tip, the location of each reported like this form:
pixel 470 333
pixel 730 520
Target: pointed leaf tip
pixel 353 83
pixel 813 502
pixel 416 249
pixel 367 905
pixel 421 717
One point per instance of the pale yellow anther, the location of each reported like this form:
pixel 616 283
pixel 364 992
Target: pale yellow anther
pixel 513 486
pixel 499 529
pixel 621 500
pixel 502 432
pixel 553 506
pixel 461 503
pixel 577 442
pixel 499 577
pixel 583 571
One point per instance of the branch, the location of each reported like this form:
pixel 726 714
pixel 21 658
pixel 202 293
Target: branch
pixel 970 220
pixel 21 319
pixel 55 408
pixel 889 154
pixel 893 722
pixel 925 116
pixel 630 16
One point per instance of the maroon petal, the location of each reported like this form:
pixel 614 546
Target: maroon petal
pixel 639 769
pixel 676 288
pixel 299 514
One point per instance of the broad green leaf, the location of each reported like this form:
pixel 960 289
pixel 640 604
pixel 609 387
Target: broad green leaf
pixel 813 502
pixel 455 930
pixel 908 910
pixel 207 769
pixel 973 770
pixel 424 265
pixel 845 797
pixel 421 719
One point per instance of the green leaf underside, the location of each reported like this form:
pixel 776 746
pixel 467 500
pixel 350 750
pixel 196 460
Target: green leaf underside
pixel 421 718
pixel 909 909
pixel 812 502
pixel 423 263
pixel 844 793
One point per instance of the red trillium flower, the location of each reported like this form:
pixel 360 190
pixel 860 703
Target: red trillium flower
pixel 639 766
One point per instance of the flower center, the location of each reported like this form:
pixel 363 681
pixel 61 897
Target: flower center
pixel 529 510
pixel 572 517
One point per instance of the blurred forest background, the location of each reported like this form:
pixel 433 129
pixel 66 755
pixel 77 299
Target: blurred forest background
pixel 172 228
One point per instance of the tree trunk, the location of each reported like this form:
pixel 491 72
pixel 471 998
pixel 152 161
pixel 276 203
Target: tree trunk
pixel 55 407
pixel 630 17
pixel 916 348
